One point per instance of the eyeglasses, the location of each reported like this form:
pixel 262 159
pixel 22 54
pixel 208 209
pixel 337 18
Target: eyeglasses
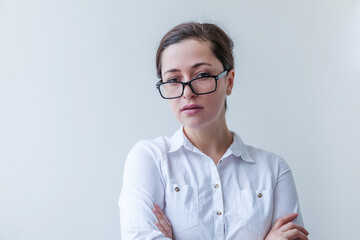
pixel 200 86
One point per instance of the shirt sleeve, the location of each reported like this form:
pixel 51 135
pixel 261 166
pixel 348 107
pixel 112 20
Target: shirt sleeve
pixel 285 196
pixel 142 187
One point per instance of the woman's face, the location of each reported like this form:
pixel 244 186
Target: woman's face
pixel 185 61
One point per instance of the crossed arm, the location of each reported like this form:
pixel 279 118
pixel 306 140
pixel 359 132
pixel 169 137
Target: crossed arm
pixel 143 186
pixel 283 229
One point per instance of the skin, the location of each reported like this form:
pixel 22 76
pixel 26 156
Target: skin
pixel 207 130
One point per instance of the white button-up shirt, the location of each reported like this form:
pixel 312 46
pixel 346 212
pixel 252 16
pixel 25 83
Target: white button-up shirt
pixel 239 198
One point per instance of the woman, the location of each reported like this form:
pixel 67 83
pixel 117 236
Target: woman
pixel 204 182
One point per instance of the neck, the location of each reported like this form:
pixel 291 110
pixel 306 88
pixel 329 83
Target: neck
pixel 212 140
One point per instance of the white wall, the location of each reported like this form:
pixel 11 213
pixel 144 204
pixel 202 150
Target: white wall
pixel 77 90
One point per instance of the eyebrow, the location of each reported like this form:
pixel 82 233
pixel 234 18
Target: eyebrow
pixel 196 65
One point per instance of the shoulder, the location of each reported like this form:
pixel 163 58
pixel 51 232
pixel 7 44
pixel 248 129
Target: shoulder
pixel 268 161
pixel 151 146
pixel 149 150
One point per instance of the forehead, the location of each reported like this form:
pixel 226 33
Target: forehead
pixel 185 54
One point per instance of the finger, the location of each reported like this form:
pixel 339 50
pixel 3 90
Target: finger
pixel 292 225
pixel 295 234
pixel 157 214
pixel 165 228
pixel 283 220
pixel 162 219
pixel 162 214
pixel 161 228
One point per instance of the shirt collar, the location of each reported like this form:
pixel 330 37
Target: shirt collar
pixel 178 140
pixel 238 148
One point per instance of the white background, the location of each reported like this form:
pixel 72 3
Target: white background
pixel 77 90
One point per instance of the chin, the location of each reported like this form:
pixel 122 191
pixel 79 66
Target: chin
pixel 194 123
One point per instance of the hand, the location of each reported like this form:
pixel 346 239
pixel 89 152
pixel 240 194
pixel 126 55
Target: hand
pixel 284 229
pixel 163 223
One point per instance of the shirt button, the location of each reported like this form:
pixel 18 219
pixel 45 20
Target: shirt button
pixel 216 186
pixel 219 213
pixel 177 189
pixel 259 195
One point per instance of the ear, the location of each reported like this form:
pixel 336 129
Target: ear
pixel 230 81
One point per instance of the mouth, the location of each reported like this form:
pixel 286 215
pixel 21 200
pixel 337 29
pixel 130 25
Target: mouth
pixel 191 107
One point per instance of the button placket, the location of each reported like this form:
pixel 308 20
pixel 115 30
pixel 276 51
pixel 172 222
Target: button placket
pixel 218 204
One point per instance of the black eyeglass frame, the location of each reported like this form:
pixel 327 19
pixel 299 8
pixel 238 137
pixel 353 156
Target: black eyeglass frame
pixel 216 77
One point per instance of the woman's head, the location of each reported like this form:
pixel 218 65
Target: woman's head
pixel 196 51
pixel 220 43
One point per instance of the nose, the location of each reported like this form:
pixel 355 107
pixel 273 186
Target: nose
pixel 188 93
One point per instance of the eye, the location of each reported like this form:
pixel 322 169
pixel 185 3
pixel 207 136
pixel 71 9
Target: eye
pixel 173 80
pixel 203 74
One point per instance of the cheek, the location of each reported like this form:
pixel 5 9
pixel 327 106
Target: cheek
pixel 219 99
pixel 219 103
pixel 174 106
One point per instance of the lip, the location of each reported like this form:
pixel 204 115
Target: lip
pixel 192 109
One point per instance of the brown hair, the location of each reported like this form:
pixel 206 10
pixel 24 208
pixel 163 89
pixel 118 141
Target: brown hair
pixel 221 44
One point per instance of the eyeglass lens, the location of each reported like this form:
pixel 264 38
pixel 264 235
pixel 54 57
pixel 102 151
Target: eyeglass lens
pixel 199 86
